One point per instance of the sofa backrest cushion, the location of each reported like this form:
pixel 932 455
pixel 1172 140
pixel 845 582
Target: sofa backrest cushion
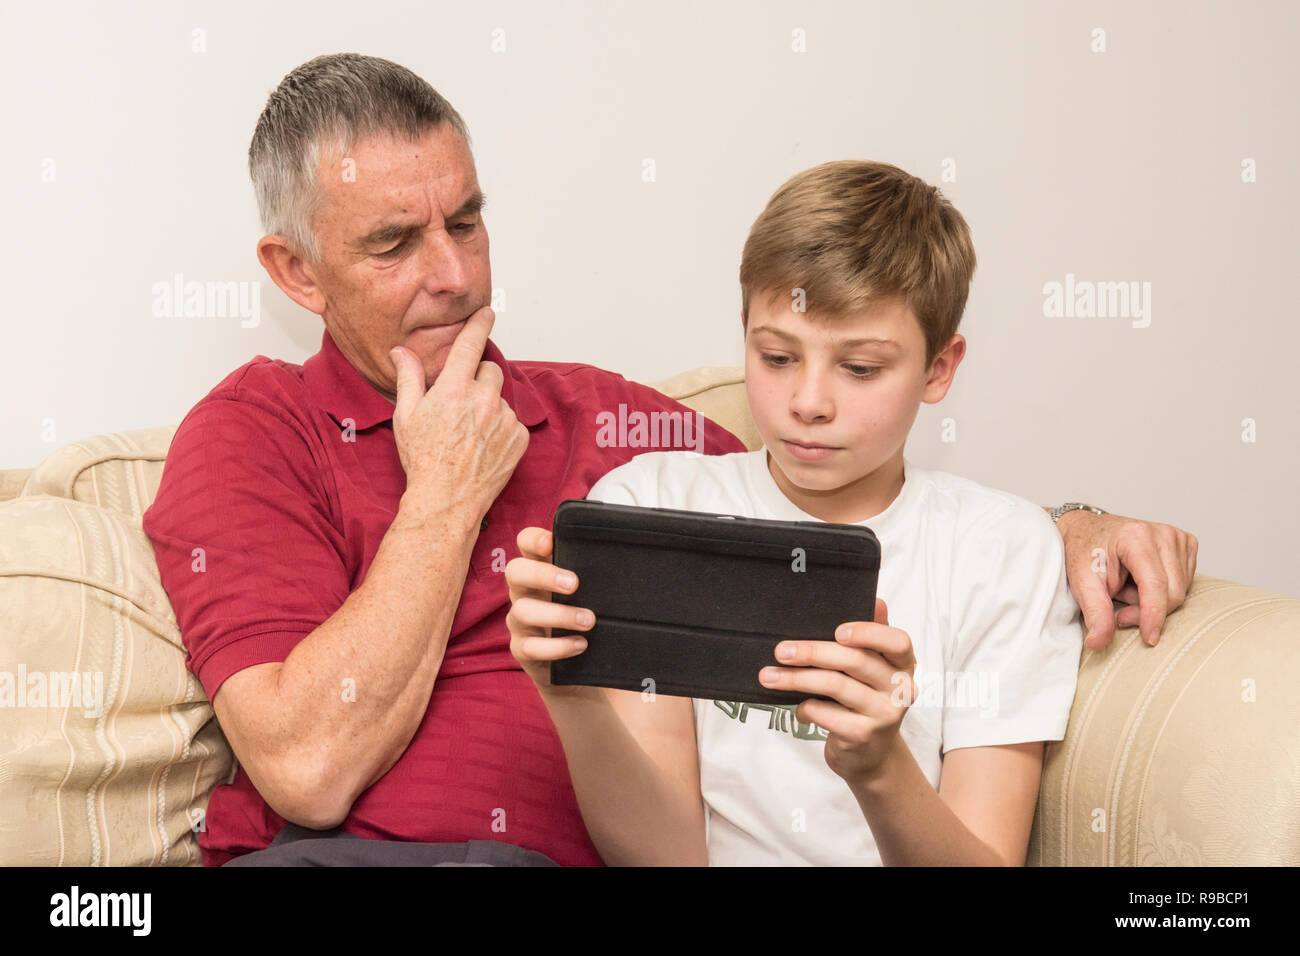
pixel 120 471
pixel 110 747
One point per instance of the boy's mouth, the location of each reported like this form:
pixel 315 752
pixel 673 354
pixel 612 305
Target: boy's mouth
pixel 807 452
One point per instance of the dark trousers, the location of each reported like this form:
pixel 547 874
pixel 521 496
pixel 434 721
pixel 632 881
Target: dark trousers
pixel 300 846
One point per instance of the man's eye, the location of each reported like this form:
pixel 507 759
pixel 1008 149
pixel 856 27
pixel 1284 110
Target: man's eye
pixel 465 227
pixel 393 252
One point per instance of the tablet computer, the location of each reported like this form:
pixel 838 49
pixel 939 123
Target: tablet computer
pixel 693 604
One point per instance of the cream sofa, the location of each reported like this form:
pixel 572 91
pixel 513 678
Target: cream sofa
pixel 1186 753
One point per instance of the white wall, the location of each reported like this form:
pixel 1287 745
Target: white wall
pixel 1116 165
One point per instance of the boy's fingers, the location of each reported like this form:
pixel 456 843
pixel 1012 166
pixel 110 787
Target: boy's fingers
pixel 541 576
pixel 891 643
pixel 832 717
pixel 550 648
pixel 840 687
pixel 530 612
pixel 865 666
pixel 535 544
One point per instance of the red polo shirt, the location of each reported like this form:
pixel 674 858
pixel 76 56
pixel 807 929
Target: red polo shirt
pixel 278 488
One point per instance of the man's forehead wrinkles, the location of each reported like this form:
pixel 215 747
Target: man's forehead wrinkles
pixel 388 227
pixel 410 213
pixel 401 189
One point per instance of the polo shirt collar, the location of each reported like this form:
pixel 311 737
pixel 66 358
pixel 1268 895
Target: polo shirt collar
pixel 342 391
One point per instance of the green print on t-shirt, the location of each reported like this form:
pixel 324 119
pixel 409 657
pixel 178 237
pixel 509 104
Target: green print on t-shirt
pixel 782 718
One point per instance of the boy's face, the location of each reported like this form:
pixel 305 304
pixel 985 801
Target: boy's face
pixel 834 400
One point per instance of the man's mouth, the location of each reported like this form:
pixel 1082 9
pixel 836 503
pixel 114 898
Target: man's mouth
pixel 445 323
pixel 434 336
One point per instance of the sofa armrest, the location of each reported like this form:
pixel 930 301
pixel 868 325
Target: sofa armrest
pixel 1186 753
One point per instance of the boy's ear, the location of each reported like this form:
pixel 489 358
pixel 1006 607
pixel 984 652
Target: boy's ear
pixel 943 369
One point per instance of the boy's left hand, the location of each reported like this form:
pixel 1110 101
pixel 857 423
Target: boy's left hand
pixel 867 671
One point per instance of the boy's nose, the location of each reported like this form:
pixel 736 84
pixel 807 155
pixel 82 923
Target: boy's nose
pixel 811 400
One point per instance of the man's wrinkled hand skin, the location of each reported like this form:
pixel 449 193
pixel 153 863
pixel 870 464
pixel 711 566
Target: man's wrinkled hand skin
pixel 1124 571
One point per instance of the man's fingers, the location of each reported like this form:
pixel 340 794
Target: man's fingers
pixel 1091 595
pixel 489 373
pixel 1173 552
pixel 467 351
pixel 1144 565
pixel 410 381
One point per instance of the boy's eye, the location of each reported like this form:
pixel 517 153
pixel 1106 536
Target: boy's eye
pixel 863 371
pixel 776 361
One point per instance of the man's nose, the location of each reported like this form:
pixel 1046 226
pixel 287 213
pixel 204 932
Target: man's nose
pixel 446 265
pixel 812 399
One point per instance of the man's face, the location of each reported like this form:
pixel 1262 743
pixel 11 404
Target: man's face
pixel 834 399
pixel 404 251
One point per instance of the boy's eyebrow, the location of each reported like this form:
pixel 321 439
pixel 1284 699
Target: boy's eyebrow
pixel 389 232
pixel 847 343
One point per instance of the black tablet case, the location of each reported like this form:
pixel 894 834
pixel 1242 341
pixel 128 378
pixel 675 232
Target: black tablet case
pixel 697 602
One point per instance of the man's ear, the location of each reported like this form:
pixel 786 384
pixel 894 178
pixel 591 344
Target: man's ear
pixel 295 276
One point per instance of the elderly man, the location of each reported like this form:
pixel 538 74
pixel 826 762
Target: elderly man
pixel 331 535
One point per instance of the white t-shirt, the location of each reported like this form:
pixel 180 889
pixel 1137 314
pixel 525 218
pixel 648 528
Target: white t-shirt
pixel 975 576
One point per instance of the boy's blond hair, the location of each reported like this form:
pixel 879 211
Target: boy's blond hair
pixel 853 233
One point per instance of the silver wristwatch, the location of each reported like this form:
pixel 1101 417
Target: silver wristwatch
pixel 1073 506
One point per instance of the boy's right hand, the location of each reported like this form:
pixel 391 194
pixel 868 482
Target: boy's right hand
pixel 532 580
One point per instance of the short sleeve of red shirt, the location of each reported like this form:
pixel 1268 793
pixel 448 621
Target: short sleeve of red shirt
pixel 242 531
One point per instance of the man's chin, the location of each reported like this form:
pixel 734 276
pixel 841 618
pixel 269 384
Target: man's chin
pixel 432 345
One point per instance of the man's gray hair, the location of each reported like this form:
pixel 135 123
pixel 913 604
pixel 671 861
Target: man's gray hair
pixel 322 110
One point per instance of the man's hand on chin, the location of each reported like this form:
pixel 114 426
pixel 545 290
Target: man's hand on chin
pixel 1146 566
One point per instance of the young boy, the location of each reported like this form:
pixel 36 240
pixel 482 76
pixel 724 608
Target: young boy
pixel 854 279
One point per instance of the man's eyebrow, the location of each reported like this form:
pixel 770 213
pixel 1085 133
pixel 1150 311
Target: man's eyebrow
pixel 471 206
pixel 390 232
pixel 847 343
